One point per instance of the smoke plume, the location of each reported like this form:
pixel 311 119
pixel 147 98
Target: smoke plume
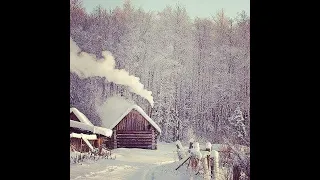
pixel 87 65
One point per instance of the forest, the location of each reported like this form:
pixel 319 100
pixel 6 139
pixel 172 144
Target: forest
pixel 198 69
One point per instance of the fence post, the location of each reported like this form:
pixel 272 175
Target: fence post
pixel 80 145
pixel 197 155
pixel 208 159
pixel 206 175
pixel 215 165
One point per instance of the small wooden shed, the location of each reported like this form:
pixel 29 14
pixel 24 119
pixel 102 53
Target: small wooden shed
pixel 131 126
pixel 83 134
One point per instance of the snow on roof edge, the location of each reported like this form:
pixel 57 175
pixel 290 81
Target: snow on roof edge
pixel 140 110
pixel 103 131
pixel 80 125
pixel 83 136
pixel 94 129
pixel 80 116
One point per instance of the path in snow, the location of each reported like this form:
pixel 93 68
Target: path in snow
pixel 131 164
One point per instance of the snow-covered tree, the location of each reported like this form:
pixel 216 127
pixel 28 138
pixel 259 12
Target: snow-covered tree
pixel 237 125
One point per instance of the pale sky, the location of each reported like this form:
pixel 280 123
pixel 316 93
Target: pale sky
pixel 199 8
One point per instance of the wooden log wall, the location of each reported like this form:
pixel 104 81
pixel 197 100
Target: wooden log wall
pixel 99 142
pixel 154 142
pixel 134 131
pixel 134 139
pixel 76 142
pixel 134 121
pixel 108 142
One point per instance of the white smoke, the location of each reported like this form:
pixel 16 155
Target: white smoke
pixel 87 65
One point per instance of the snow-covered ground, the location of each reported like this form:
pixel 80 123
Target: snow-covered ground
pixel 133 164
pixel 139 164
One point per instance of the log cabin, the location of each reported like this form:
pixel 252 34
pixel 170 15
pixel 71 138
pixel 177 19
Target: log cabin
pixel 83 134
pixel 131 126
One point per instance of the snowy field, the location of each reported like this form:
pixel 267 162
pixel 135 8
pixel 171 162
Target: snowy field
pixel 133 164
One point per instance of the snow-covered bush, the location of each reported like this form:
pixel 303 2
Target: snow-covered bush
pixel 236 162
pixel 236 132
pixel 77 157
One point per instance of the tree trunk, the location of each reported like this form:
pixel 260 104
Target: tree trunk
pixel 236 173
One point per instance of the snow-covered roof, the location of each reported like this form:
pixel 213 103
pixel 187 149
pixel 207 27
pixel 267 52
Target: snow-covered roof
pixel 91 128
pixel 80 116
pixel 80 125
pixel 116 108
pixel 102 131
